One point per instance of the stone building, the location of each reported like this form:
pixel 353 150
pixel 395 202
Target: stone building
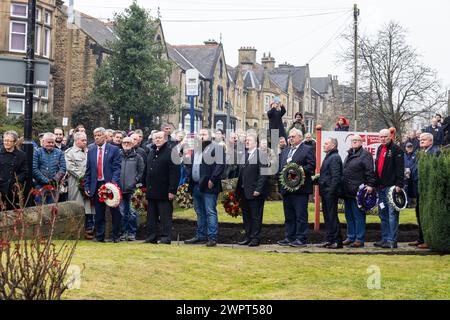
pixel 13 37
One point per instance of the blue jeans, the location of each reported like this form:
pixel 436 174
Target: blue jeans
pixel 389 217
pixel 205 206
pixel 356 221
pixel 129 216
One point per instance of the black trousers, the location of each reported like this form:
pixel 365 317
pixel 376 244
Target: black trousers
pixel 100 220
pixel 252 214
pixel 420 239
pixel 331 219
pixel 159 211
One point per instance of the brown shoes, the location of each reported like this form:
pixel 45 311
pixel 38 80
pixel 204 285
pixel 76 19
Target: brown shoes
pixel 357 244
pixel 89 235
pixel 414 244
pixel 423 246
pixel 347 242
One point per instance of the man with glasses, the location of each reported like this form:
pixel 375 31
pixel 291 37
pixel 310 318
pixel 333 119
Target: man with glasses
pixel 295 204
pixel 389 171
pixel 13 171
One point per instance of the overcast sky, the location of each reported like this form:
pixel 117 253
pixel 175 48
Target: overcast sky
pixel 297 32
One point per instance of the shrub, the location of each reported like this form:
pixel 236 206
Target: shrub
pixel 434 189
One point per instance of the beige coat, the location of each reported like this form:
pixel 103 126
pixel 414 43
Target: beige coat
pixel 76 168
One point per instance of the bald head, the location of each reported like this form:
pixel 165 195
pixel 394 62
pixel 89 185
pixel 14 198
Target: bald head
pixel 385 136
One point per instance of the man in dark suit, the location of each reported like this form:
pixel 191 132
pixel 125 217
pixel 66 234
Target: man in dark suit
pixel 252 189
pixel 329 187
pixel 205 171
pixel 295 204
pixel 161 179
pixel 103 165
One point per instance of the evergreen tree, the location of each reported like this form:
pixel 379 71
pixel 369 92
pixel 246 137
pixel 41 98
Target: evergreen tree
pixel 134 79
pixel 434 190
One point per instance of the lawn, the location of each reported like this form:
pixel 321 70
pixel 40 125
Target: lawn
pixel 143 271
pixel 273 214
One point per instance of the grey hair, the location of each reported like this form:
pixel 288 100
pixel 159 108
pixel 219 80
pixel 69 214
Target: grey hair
pixel 78 135
pixel 109 131
pixel 334 141
pixel 297 131
pixel 427 136
pixel 100 129
pixel 12 134
pixel 48 135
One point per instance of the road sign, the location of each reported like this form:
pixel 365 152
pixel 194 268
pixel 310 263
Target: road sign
pixel 192 82
pixel 13 72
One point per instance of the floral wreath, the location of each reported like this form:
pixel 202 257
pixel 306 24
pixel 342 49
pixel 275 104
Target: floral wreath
pixel 366 201
pixel 138 199
pixel 232 204
pixel 292 177
pixel 398 200
pixel 110 194
pixel 183 197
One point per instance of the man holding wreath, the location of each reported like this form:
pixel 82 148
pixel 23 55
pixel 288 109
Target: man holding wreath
pixel 295 200
pixel 103 165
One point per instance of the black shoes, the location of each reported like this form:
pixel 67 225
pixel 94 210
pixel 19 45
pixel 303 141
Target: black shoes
pixel 99 240
pixel 150 240
pixel 335 246
pixel 117 240
pixel 253 243
pixel 390 245
pixel 164 242
pixel 297 244
pixel 195 241
pixel 284 243
pixel 379 243
pixel 325 244
pixel 211 243
pixel 244 243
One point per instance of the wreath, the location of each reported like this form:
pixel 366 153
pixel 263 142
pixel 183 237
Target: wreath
pixel 292 177
pixel 232 204
pixel 184 198
pixel 138 199
pixel 398 200
pixel 366 201
pixel 110 194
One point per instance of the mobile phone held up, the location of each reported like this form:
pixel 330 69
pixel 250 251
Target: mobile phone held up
pixel 276 99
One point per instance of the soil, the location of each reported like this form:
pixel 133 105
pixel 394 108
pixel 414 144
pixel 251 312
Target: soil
pixel 234 232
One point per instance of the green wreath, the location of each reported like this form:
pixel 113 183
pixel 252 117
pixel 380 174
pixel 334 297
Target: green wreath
pixel 292 177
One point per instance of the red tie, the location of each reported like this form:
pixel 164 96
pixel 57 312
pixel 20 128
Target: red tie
pixel 100 164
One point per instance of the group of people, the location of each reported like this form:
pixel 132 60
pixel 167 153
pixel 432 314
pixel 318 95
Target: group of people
pixel 77 170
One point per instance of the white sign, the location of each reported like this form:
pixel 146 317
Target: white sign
pixel 371 142
pixel 65 122
pixel 192 82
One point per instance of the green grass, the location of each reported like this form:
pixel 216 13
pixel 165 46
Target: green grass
pixel 273 214
pixel 140 271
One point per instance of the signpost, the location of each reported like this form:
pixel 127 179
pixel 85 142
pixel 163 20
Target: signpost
pixel 192 83
pixel 14 70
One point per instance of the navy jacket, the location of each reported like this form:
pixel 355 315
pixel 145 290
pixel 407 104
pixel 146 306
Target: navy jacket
pixel 305 157
pixel 111 167
pixel 411 163
pixel 47 165
pixel 438 134
pixel 331 175
pixel 276 120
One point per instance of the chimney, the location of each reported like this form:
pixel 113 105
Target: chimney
pixel 268 62
pixel 285 65
pixel 247 56
pixel 210 42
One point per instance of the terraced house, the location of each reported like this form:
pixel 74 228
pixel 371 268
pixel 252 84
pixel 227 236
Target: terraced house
pixel 13 42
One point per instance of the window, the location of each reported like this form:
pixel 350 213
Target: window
pixel 47 40
pixel 200 92
pixel 47 17
pixel 219 98
pixel 18 36
pixel 45 107
pixel 19 91
pixel 15 107
pixel 19 10
pixel 36 92
pixel 266 103
pixel 44 93
pixel 187 122
pixel 219 125
pixel 35 106
pixel 38 40
pixel 220 68
pixel 38 15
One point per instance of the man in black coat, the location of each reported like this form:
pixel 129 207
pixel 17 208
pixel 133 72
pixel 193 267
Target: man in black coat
pixel 252 189
pixel 358 170
pixel 329 188
pixel 162 174
pixel 13 170
pixel 275 115
pixel 205 170
pixel 295 204
pixel 389 171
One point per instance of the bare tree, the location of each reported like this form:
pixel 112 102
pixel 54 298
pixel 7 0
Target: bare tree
pixel 402 86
